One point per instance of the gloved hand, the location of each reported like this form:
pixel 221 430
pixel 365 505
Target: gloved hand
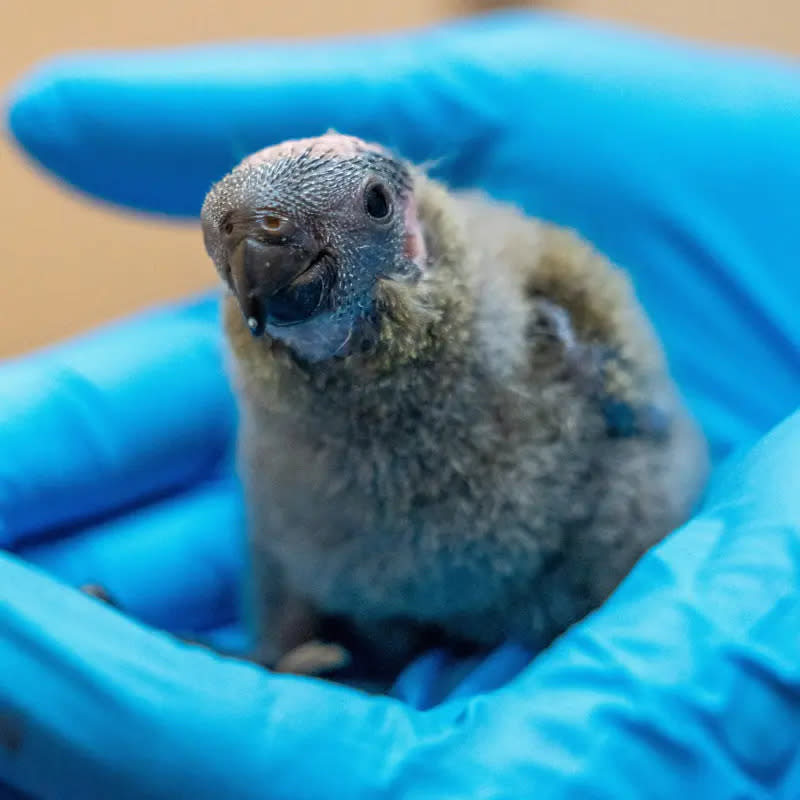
pixel 115 450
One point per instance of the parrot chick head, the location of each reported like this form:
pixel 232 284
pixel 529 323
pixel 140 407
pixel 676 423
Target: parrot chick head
pixel 302 233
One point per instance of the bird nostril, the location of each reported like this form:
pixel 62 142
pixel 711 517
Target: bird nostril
pixel 227 225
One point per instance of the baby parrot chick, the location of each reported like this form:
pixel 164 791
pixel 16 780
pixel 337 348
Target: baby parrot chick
pixel 456 423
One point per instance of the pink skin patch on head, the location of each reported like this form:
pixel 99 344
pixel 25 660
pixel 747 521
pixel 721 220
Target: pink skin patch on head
pixel 331 144
pixel 415 242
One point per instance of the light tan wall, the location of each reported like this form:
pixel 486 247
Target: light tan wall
pixel 769 24
pixel 53 287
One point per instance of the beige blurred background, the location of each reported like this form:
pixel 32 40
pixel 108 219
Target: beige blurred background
pixel 52 288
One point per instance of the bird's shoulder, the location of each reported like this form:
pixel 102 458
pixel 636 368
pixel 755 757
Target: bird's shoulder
pixel 547 298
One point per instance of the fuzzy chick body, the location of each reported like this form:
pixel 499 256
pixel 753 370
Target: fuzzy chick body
pixel 496 446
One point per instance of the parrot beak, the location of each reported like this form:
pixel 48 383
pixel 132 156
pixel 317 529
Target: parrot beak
pixel 264 263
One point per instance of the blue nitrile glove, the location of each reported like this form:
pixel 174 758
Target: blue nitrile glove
pixel 683 165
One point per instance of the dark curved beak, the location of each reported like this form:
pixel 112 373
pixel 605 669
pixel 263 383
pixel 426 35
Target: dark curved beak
pixel 262 264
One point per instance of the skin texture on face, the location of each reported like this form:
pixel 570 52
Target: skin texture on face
pixel 302 231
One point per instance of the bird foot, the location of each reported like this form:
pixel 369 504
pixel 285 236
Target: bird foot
pixel 313 658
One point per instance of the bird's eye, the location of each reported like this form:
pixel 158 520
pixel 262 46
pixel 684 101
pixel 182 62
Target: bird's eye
pixel 377 201
pixel 227 228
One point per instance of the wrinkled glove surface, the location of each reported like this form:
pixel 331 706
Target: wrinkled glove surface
pixel 116 449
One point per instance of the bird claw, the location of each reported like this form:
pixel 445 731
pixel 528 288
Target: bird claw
pixel 313 658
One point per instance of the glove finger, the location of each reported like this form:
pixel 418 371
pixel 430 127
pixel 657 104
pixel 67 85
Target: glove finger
pixel 492 672
pixel 133 411
pixel 231 638
pixel 98 706
pixel 135 129
pixel 435 677
pixel 417 684
pixel 174 564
